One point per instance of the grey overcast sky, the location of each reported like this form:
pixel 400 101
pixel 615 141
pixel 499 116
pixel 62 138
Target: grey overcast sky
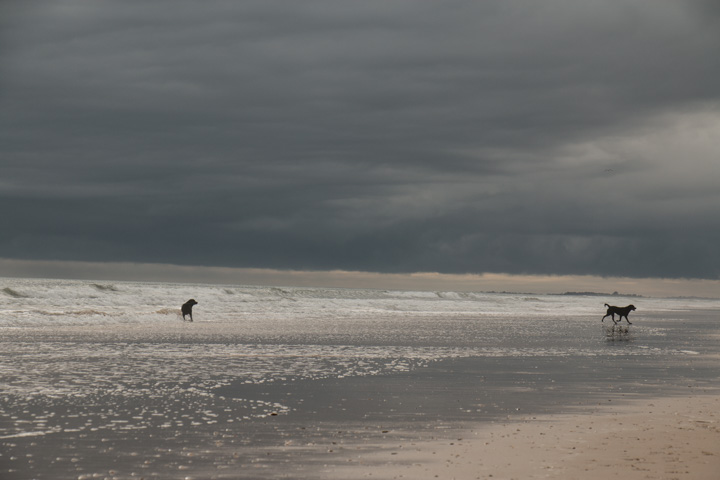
pixel 555 137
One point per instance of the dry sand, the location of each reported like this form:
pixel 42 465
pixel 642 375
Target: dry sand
pixel 663 438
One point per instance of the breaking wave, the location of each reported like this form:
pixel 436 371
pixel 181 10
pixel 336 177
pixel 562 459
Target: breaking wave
pixel 15 294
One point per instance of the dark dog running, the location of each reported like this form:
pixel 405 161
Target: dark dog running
pixel 620 311
pixel 187 308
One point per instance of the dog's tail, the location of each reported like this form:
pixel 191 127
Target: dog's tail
pixel 607 305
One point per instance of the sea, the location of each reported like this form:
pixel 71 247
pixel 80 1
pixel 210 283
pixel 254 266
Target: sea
pixel 103 379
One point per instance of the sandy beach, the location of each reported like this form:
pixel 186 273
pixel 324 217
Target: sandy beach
pixel 107 381
pixel 663 438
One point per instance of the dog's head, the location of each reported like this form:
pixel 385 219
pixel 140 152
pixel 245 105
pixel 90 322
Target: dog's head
pixel 631 307
pixel 192 302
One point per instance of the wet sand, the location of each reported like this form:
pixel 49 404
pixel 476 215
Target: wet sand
pixel 83 405
pixel 500 418
pixel 447 422
pixel 661 438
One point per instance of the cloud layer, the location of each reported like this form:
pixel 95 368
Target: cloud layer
pixel 560 137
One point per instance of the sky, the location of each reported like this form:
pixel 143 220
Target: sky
pixel 561 139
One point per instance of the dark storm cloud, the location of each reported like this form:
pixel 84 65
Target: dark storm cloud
pixel 517 136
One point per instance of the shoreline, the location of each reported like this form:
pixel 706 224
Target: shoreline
pixel 425 425
pixel 102 384
pixel 657 438
pixel 418 426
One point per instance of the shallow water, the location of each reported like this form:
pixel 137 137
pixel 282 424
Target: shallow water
pixel 106 378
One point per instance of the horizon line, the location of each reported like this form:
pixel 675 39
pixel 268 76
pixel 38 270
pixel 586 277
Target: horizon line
pixel 424 281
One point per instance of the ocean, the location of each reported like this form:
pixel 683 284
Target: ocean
pixel 105 379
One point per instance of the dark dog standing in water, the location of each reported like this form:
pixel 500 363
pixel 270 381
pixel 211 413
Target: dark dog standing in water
pixel 621 311
pixel 187 308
